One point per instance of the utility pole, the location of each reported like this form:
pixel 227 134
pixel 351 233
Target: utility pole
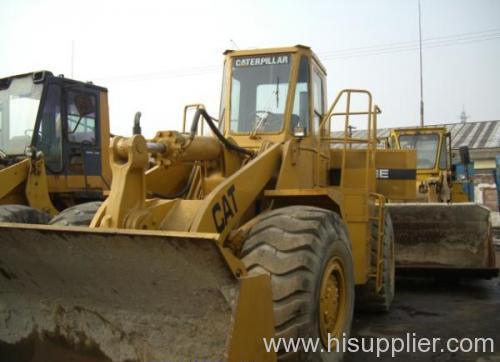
pixel 421 73
pixel 72 58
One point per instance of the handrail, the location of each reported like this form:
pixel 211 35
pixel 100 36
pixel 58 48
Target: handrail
pixel 196 106
pixel 379 263
pixel 370 141
pixel 338 140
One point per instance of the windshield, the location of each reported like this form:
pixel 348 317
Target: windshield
pixel 259 89
pixel 19 102
pixel 426 146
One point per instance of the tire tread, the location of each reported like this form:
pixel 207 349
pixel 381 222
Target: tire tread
pixel 289 245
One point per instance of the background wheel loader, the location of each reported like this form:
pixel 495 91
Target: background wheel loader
pixel 260 230
pixel 54 140
pixel 443 234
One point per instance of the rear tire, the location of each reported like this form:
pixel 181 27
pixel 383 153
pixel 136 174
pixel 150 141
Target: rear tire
pixel 307 253
pixel 367 299
pixel 23 214
pixel 78 215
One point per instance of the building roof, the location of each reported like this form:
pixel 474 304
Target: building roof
pixel 475 135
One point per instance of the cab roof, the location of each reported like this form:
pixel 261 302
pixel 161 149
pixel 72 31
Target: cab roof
pixel 41 75
pixel 424 129
pixel 261 51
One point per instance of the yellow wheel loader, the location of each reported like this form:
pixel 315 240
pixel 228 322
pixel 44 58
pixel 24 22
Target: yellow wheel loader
pixel 442 234
pixel 261 230
pixel 54 141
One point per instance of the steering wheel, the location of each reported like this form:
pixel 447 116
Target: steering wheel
pixel 261 114
pixel 261 118
pixel 85 143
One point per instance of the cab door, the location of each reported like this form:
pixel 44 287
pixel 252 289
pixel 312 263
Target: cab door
pixel 318 85
pixel 82 136
pixel 48 135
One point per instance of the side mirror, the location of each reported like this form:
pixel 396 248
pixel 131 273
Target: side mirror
pixel 299 131
pixel 84 105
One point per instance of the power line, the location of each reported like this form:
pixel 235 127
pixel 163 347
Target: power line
pixel 413 46
pixel 372 50
pixel 413 42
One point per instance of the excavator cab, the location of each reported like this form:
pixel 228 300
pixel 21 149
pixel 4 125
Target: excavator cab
pixel 62 120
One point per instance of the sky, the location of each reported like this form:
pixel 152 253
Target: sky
pixel 157 56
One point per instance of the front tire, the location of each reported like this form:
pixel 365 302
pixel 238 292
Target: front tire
pixel 22 214
pixel 307 253
pixel 78 215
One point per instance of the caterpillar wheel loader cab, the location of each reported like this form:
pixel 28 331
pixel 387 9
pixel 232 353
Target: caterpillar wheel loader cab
pixel 435 177
pixel 54 140
pixel 443 234
pixel 260 230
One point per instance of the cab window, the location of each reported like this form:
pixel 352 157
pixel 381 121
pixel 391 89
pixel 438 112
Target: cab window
pixel 19 103
pixel 222 100
pixel 300 112
pixel 426 146
pixel 48 138
pixel 81 118
pixel 318 101
pixel 259 90
pixel 443 158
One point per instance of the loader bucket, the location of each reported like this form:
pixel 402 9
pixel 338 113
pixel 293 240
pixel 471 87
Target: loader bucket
pixel 448 237
pixel 80 294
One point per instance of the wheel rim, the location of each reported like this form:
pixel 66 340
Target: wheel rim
pixel 332 307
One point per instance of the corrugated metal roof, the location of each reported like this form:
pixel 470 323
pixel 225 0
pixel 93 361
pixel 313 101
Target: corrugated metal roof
pixel 475 135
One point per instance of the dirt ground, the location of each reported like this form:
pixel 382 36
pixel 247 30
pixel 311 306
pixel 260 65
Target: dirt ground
pixel 431 308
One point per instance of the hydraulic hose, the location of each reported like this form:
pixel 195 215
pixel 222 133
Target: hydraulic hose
pixel 181 192
pixel 210 121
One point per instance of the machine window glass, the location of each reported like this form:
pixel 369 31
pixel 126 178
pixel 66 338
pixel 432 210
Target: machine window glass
pixel 426 146
pixel 318 93
pixel 318 100
pixel 235 104
pixel 49 134
pixel 19 102
pixel 443 158
pixel 300 112
pixel 259 89
pixel 222 99
pixel 81 118
pixel 265 94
